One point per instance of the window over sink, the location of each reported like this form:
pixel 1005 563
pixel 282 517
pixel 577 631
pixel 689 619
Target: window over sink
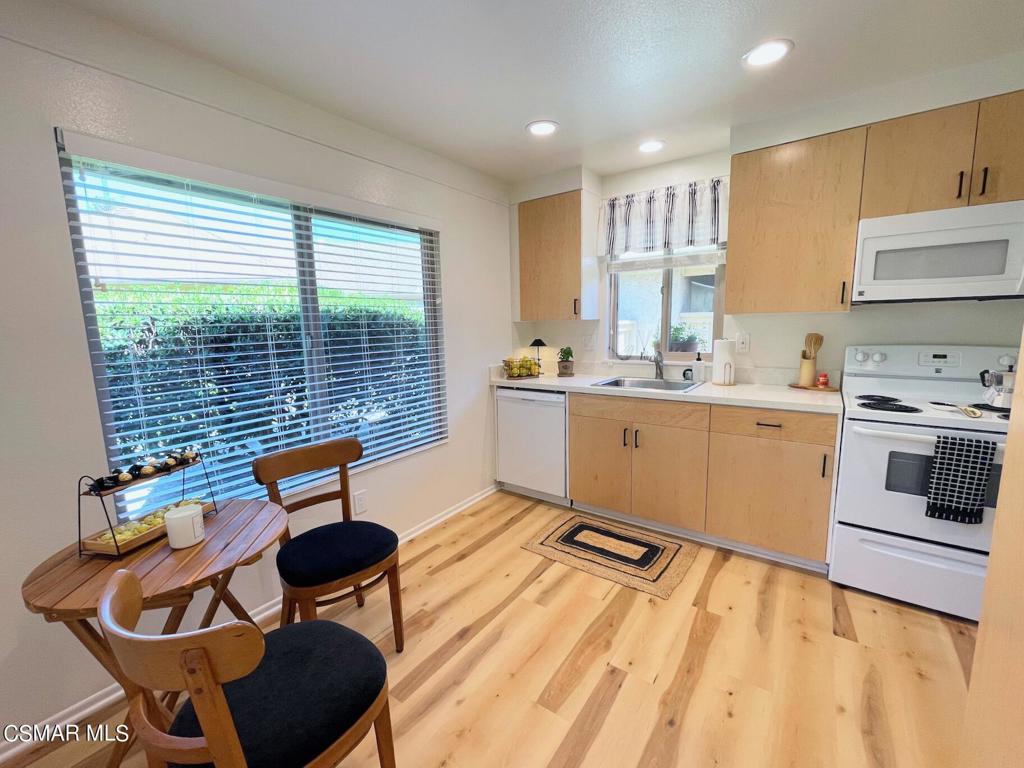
pixel 664 250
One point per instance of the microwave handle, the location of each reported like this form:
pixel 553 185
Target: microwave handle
pixel 927 439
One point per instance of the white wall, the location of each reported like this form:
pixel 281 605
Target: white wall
pixel 65 68
pixel 776 340
pixel 930 91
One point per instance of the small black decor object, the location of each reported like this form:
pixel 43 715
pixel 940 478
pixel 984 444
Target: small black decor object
pixel 117 481
pixel 538 343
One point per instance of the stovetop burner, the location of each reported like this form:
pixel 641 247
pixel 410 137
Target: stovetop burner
pixel 878 398
pixel 888 405
pixel 990 408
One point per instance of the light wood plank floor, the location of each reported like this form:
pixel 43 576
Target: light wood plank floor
pixel 513 660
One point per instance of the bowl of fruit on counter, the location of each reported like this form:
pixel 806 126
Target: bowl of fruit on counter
pixel 521 368
pixel 132 534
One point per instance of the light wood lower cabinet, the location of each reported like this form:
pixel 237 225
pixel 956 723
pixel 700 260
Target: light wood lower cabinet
pixel 670 467
pixel 646 458
pixel 600 452
pixel 772 494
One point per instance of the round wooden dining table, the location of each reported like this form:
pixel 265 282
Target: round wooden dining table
pixel 67 587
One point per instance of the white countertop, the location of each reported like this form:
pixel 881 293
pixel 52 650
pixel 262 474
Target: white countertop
pixel 751 395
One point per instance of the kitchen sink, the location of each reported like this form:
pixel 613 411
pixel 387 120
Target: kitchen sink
pixel 628 383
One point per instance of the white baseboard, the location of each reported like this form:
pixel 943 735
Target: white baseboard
pixel 90 705
pixel 76 713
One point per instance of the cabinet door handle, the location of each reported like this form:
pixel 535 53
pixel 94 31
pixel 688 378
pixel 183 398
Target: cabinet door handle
pixel 824 461
pixel 842 293
pixel 625 441
pixel 773 426
pixel 960 186
pixel 575 306
pixel 636 438
pixel 984 180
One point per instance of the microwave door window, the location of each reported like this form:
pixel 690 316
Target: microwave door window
pixel 909 472
pixel 943 262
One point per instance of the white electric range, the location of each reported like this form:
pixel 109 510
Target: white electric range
pixel 897 400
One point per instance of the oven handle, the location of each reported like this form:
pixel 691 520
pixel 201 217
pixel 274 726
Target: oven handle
pixel 903 436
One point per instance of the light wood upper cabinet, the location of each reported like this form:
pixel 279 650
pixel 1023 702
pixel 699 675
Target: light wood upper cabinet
pixel 550 257
pixel 793 217
pixel 600 453
pixel 772 494
pixel 920 162
pixel 999 152
pixel 670 467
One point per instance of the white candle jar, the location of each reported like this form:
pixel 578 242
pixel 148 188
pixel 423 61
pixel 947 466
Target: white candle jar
pixel 185 526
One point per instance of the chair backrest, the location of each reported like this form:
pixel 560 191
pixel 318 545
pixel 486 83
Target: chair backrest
pixel 198 662
pixel 272 467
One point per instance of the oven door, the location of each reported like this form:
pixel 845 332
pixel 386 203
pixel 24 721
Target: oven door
pixel 883 483
pixel 969 252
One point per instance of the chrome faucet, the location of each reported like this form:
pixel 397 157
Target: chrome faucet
pixel 659 364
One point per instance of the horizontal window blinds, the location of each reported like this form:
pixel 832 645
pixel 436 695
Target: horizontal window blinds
pixel 243 324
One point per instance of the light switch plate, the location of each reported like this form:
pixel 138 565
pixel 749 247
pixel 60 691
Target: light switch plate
pixel 743 342
pixel 360 503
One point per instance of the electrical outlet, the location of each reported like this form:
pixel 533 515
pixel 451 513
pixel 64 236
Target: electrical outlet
pixel 359 503
pixel 742 342
pixel 590 342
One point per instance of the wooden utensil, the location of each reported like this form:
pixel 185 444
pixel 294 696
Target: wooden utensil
pixel 812 343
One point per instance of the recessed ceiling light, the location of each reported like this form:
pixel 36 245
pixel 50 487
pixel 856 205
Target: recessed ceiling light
pixel 652 146
pixel 542 127
pixel 768 53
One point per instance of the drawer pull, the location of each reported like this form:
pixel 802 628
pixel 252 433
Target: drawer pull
pixel 773 426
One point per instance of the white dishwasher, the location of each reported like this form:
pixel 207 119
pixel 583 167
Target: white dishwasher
pixel 531 440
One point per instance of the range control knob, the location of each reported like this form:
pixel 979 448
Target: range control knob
pixel 861 357
pixel 878 357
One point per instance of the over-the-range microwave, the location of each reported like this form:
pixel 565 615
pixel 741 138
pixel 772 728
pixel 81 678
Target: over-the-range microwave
pixel 974 252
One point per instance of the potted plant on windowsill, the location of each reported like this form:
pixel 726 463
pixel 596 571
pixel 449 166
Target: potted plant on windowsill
pixel 565 361
pixel 683 338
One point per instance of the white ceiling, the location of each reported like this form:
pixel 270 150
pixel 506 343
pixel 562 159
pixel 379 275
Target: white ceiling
pixel 463 77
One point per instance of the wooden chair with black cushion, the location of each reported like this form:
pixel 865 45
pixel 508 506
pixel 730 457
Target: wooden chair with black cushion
pixel 347 557
pixel 303 695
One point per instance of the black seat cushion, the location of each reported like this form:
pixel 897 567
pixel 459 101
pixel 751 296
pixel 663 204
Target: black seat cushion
pixel 312 684
pixel 334 551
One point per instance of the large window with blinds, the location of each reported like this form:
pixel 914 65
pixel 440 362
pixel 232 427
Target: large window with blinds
pixel 242 324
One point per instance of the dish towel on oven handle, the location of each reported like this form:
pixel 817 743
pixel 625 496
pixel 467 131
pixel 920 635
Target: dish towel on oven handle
pixel 959 479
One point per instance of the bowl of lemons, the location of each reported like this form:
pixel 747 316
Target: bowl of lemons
pixel 521 367
pixel 132 534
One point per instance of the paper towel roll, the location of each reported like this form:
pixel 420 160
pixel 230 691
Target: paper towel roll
pixel 723 369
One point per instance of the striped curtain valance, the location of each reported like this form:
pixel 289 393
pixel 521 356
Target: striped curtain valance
pixel 665 222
